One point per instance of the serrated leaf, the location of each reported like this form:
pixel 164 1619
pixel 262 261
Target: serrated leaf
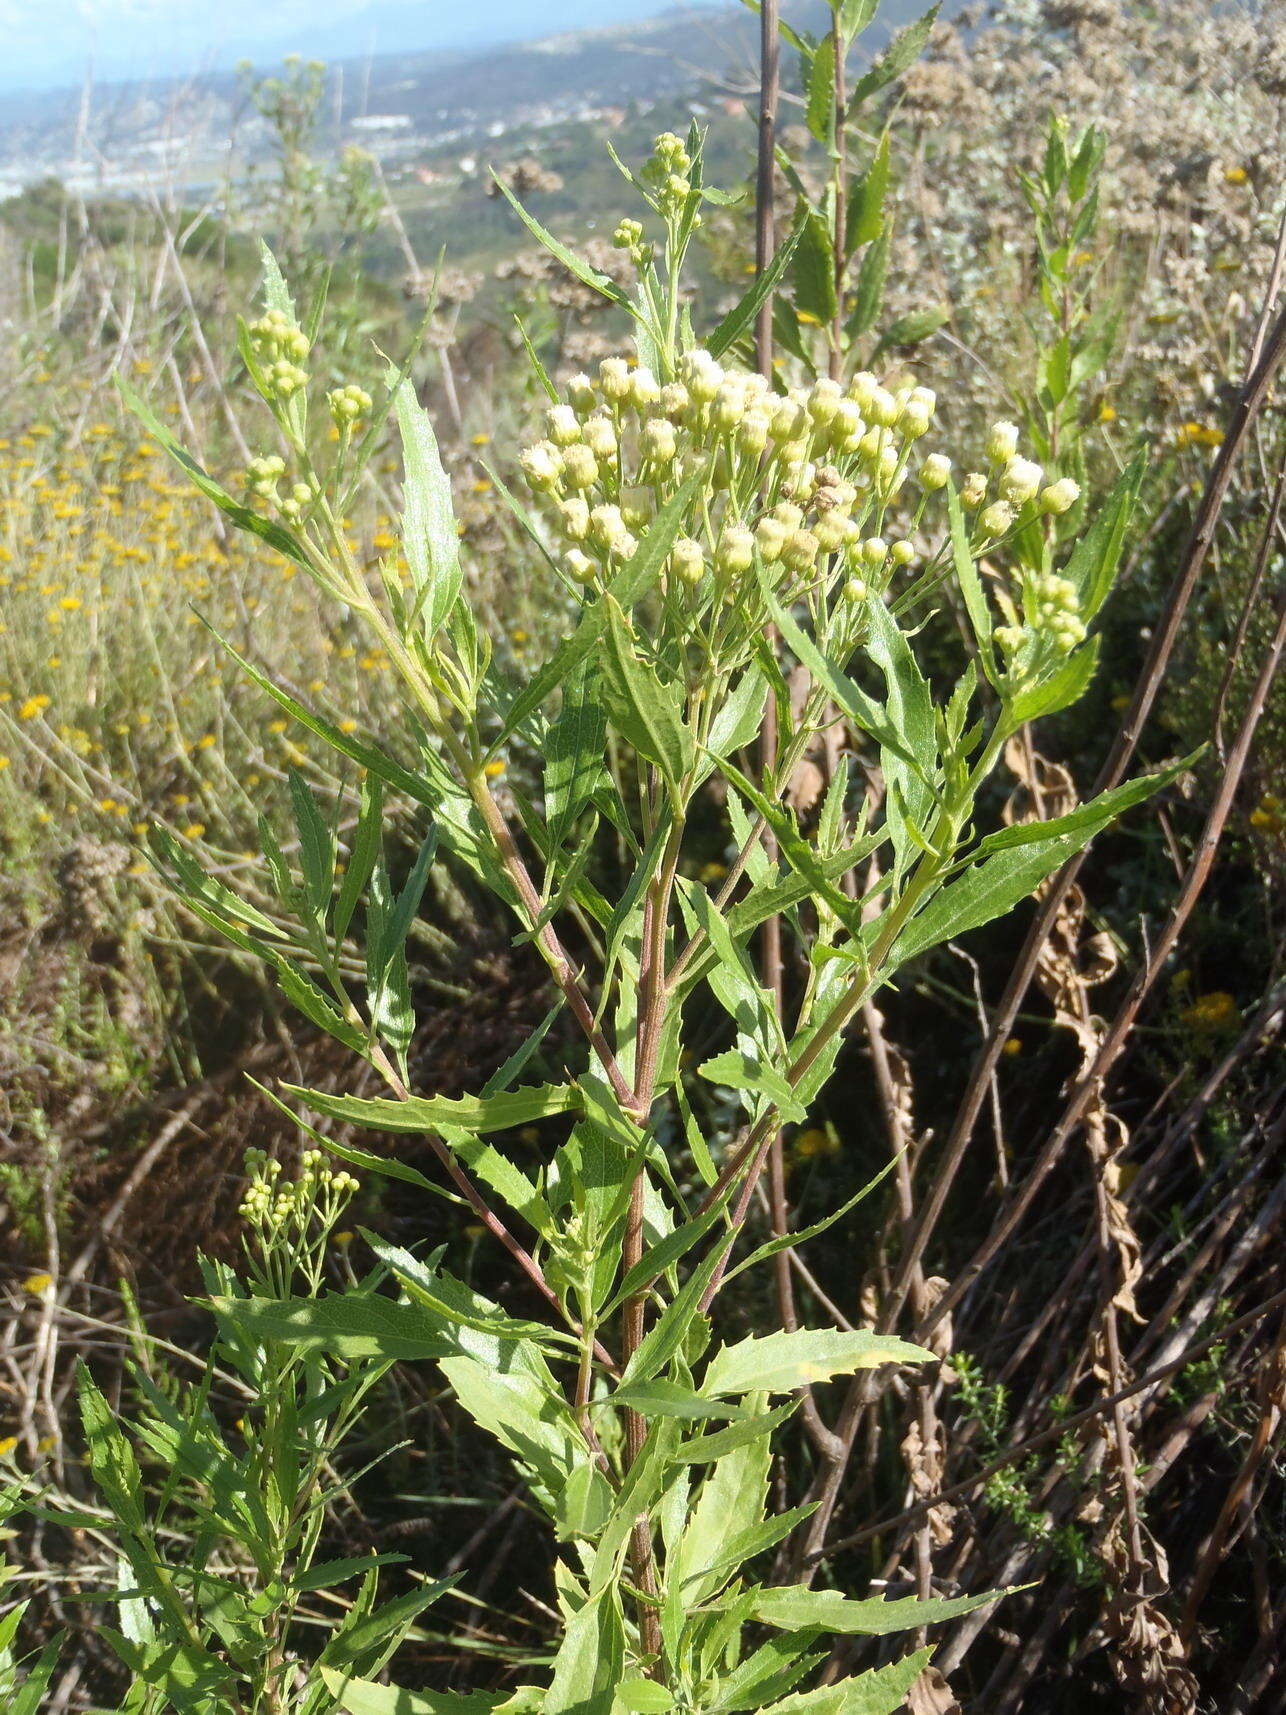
pixel 819 114
pixel 1015 868
pixel 429 1113
pixel 574 749
pixel 742 315
pixel 275 535
pixel 794 1607
pixel 1094 561
pixel 362 1697
pixel 573 263
pixel 739 1071
pixel 784 1361
pixel 348 1326
pixel 814 270
pixel 869 292
pixel 646 710
pixel 429 538
pixel 906 47
pixel 864 220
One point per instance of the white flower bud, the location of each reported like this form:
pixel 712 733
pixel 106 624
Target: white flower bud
pixel 902 553
pixel 1060 496
pixel 688 561
pixel 637 505
pixel 824 401
pixel 830 532
pixel 736 550
pixel 541 465
pixel 580 467
pixel 1020 481
pixel 855 589
pixel 581 567
pixel 788 422
pixel 882 408
pixel 799 550
pixel 600 438
pixel 563 425
pixel 770 535
pixel 574 514
pixel 788 515
pixel 862 389
pixel 935 472
pixel 660 442
pixel 644 388
pixel 875 550
pixel 848 427
pixel 701 375
pixel 614 378
pixel 1002 442
pixel 973 490
pixel 580 390
pixel 752 431
pixel 675 400
pixel 997 518
pixel 914 420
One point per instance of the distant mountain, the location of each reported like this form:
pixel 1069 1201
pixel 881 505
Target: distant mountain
pixel 126 136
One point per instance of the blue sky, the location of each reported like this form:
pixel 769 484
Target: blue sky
pixel 51 43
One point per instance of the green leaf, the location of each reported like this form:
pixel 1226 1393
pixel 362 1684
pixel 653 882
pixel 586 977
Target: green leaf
pixel 794 1607
pixel 854 16
pixel 815 270
pixel 392 773
pixel 865 219
pixel 819 113
pixel 740 1072
pixel 574 749
pixel 361 1697
pixel 451 1303
pixel 573 263
pixel 1016 860
pixel 429 537
pixel 742 315
pixel 277 538
pixel 971 589
pixel 664 1339
pixel 869 293
pixel 316 845
pixel 362 854
pixel 637 575
pixel 431 1113
pixel 781 1362
pixel 199 887
pixel 703 1449
pixel 1092 567
pixel 647 711
pixel 902 51
pixel 644 1697
pixel 588 1664
pixel 662 1398
pixel 1065 685
pixel 349 1326
pixel 911 329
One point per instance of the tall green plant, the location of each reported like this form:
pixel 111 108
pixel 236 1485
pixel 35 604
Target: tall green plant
pixel 682 506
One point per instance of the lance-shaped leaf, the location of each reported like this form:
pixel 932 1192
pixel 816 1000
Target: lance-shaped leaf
pixel 1092 567
pixel 574 264
pixel 635 577
pixel 905 48
pixel 1012 863
pixel 742 315
pixel 429 537
pixel 782 1362
pixel 574 751
pixel 645 709
pixel 349 1326
pixel 363 1697
pixel 797 1608
pixel 740 1072
pixel 431 1113
pixel 275 535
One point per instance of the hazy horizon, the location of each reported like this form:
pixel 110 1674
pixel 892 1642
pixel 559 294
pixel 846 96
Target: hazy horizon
pixel 55 47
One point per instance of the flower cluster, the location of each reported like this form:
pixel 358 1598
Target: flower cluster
pixel 281 349
pixel 282 1209
pixel 349 405
pixel 804 482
